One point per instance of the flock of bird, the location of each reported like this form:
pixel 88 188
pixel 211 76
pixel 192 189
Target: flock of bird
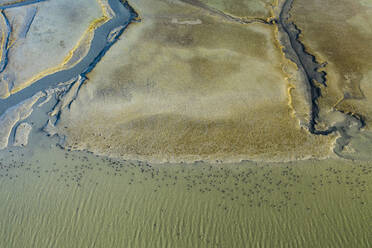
pixel 248 184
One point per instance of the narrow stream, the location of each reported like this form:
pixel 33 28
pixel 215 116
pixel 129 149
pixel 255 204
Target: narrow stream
pixel 14 4
pixel 100 44
pixel 307 64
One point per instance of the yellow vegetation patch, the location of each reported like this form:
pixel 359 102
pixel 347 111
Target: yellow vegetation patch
pixel 266 133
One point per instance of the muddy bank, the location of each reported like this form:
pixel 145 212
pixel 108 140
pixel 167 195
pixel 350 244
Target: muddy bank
pixel 123 16
pixel 11 110
pixel 314 78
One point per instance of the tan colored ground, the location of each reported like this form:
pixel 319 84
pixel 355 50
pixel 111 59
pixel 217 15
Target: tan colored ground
pixel 240 8
pixel 190 86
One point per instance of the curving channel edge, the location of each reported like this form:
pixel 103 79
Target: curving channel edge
pixel 61 82
pixel 295 51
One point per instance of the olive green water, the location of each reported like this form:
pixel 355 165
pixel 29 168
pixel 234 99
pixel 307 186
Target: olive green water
pixel 53 198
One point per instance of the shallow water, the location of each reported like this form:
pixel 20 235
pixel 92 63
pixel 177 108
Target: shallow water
pixel 55 198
